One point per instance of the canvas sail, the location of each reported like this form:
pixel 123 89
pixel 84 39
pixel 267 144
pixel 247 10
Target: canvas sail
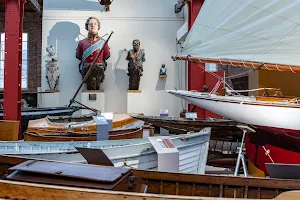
pixel 250 33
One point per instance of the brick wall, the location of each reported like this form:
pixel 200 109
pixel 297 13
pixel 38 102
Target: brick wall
pixel 33 26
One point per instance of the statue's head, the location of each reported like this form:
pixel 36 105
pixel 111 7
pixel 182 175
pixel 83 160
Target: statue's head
pixel 50 50
pixel 136 44
pixel 163 66
pixel 92 25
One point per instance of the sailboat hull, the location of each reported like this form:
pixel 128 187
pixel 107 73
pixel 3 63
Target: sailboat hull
pixel 257 156
pixel 277 125
pixel 281 116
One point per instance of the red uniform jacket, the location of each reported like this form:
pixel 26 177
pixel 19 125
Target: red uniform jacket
pixel 86 43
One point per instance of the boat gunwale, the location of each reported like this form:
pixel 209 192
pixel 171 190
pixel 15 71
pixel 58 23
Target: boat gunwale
pixel 184 120
pixel 86 134
pixel 66 124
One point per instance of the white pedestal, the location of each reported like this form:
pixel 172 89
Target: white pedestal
pixel 164 113
pixel 146 133
pixel 102 128
pixel 93 99
pixel 167 153
pixel 134 101
pixel 109 117
pixel 50 98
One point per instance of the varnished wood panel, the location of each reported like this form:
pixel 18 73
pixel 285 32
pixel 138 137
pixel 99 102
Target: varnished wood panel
pixel 9 130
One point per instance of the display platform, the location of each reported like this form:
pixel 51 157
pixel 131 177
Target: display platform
pixel 93 99
pixel 134 101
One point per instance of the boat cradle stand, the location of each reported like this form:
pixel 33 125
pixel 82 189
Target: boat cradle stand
pixel 241 157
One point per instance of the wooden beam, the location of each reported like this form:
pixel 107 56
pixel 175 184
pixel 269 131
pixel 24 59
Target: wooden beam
pixel 241 63
pixel 35 5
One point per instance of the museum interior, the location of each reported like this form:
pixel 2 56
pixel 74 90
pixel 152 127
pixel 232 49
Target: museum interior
pixel 149 99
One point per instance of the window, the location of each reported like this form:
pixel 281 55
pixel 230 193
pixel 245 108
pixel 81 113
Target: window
pixel 211 67
pixel 24 61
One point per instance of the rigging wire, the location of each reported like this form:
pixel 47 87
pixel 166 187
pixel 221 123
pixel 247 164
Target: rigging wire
pixel 179 74
pixel 220 79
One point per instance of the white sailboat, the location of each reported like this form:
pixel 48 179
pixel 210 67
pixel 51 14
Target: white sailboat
pixel 276 115
pixel 258 35
pixel 254 34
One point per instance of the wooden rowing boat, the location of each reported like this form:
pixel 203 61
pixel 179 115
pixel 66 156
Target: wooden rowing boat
pixel 135 153
pixel 77 124
pixel 120 134
pixel 28 114
pixel 222 129
pixel 37 179
pixel 185 123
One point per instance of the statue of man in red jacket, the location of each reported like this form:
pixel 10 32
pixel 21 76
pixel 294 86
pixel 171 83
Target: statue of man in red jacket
pixel 87 51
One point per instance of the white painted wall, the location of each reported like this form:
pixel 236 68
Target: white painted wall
pixel 153 22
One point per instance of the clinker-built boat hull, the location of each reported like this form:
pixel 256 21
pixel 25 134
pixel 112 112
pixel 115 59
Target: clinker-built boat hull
pixel 79 124
pixel 135 153
pixel 120 134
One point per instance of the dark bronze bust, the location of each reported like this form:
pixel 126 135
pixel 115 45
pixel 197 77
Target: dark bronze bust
pixel 136 58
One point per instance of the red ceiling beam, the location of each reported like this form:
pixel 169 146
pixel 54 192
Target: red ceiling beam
pixel 197 77
pixel 194 7
pixel 14 12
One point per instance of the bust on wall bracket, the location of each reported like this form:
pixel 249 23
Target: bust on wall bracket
pixel 163 71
